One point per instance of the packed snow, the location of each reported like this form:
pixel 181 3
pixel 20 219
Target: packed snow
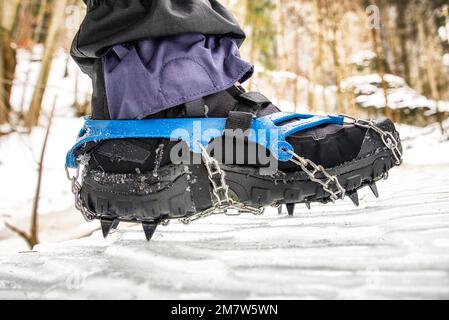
pixel 369 93
pixel 394 247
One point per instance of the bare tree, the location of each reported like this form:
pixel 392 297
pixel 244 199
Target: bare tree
pixel 320 50
pixel 40 21
pixel 429 47
pixel 333 12
pixel 281 47
pixel 51 44
pixel 347 68
pixel 403 34
pixel 8 12
pixel 32 237
pixel 380 56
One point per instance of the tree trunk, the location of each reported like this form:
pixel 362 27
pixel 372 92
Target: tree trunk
pixel 57 18
pixel 392 41
pixel 311 92
pixel 317 61
pixel 22 31
pixel 380 62
pixel 429 50
pixel 252 56
pixel 40 21
pixel 4 100
pixel 281 48
pixel 334 20
pixel 297 71
pixel 401 24
pixel 4 108
pixel 34 228
pixel 380 66
pixel 8 11
pixel 320 53
pixel 347 71
pixel 32 238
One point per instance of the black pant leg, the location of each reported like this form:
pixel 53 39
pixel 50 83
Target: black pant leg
pixel 111 22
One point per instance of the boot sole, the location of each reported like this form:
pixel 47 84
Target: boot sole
pixel 258 190
pixel 148 198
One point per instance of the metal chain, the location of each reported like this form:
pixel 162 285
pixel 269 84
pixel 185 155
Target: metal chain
pixel 312 169
pixel 220 190
pixel 387 137
pixel 76 190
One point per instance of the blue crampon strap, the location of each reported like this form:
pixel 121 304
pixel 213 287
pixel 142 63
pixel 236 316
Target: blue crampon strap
pixel 267 131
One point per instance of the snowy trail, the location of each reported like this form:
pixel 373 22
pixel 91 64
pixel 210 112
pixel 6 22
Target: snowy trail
pixel 393 247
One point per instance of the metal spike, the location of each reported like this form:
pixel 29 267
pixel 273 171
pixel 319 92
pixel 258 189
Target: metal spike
pixel 308 205
pixel 149 228
pixel 373 188
pixel 354 198
pixel 115 224
pixel 106 225
pixel 290 208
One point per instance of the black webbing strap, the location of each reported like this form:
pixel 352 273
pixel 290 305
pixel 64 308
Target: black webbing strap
pixel 239 120
pixel 251 102
pixel 196 109
pixel 254 99
pixel 236 90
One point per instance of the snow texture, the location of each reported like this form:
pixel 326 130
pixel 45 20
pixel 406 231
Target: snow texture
pixel 369 93
pixel 393 247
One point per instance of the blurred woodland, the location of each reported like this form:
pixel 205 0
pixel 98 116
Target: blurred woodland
pixel 364 57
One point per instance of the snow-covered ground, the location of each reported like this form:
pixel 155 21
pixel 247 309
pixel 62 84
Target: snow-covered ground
pixel 393 247
pixel 19 153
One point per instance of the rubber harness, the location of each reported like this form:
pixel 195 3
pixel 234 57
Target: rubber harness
pixel 270 131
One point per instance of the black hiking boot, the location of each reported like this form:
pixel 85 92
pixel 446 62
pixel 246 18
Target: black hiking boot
pixel 135 179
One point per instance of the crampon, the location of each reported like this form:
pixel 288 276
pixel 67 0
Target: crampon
pixel 189 191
